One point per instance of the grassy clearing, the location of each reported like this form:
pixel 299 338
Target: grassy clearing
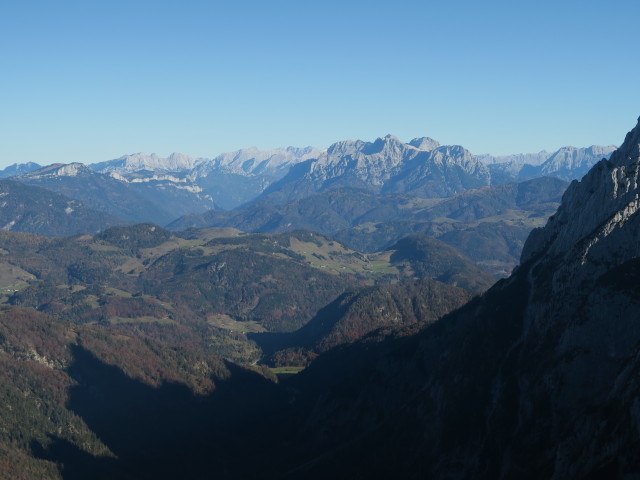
pixel 204 236
pixel 368 227
pixel 121 320
pixel 208 234
pixel 13 278
pixel 227 323
pixel 99 247
pixel 381 263
pixel 117 292
pixel 133 266
pixel 332 257
pixel 423 203
pixel 92 300
pixel 286 370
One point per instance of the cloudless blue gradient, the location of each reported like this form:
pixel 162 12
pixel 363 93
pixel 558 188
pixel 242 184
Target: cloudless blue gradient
pixel 90 81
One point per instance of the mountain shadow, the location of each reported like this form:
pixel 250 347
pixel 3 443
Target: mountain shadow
pixel 162 432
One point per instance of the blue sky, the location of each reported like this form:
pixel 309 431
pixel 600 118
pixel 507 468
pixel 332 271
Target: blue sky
pixel 91 80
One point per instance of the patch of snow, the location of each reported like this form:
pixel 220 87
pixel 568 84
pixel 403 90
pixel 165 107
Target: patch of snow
pixel 9 225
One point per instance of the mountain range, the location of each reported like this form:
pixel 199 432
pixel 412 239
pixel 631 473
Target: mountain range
pixel 420 167
pixel 386 165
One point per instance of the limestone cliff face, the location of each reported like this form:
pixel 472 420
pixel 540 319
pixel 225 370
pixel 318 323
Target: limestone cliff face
pixel 581 323
pixel 596 226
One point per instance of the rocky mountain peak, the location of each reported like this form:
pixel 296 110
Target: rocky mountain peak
pixel 345 147
pixel 372 162
pixel 424 143
pixel 387 145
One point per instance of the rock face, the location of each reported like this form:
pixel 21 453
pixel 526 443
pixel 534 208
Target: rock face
pixel 594 208
pixel 536 378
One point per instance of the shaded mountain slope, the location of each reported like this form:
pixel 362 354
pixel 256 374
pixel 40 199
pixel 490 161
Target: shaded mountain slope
pixel 25 208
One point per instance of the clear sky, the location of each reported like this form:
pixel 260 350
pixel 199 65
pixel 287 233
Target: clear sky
pixel 91 80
